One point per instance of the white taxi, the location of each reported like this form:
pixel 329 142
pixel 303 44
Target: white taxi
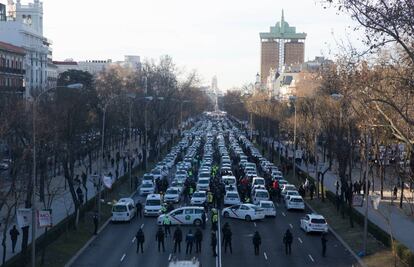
pixel 314 223
pixel 198 198
pixel 184 215
pixel 248 212
pixel 295 202
pixel 172 194
pixel 232 198
pixel 146 188
pixel 269 207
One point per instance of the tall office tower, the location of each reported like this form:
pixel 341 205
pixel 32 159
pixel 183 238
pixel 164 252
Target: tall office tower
pixel 281 46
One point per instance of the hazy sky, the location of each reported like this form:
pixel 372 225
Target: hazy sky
pixel 215 37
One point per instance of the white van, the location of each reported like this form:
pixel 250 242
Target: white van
pixel 123 210
pixel 260 194
pixel 153 205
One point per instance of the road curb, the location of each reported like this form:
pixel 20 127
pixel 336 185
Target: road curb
pixel 79 252
pixel 360 262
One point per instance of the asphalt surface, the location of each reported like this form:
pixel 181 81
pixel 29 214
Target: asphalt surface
pixel 116 245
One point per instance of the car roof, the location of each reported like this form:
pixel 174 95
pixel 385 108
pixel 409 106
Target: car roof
pixel 154 196
pixel 315 216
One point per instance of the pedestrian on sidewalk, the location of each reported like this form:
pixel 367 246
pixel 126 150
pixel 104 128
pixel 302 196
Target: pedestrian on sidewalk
pixel 139 209
pixel 160 238
pixel 189 239
pixel 257 241
pixel 311 190
pixel 140 240
pixel 213 243
pixel 324 240
pixel 79 192
pixel 95 223
pixel 287 240
pixel 177 237
pixel 198 239
pixel 395 192
pixel 14 233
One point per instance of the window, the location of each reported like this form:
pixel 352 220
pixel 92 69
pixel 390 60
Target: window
pixel 178 212
pixel 318 221
pixel 244 208
pixel 189 211
pixel 119 208
pixel 198 211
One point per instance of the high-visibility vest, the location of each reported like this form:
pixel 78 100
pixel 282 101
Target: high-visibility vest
pixel 210 197
pixel 215 218
pixel 166 220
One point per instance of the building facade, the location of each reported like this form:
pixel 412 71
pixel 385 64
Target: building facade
pixel 23 27
pixel 281 46
pixel 11 69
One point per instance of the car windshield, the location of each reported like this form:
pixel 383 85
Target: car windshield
pixel 171 192
pixel 156 171
pixel 262 194
pixel 296 200
pixel 233 195
pixel 153 202
pixel 259 181
pixel 267 205
pixel 202 181
pixel 293 193
pixel 147 185
pixel 119 208
pixel 198 194
pixel 204 174
pixel 318 221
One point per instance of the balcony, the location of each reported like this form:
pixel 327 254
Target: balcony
pixel 13 71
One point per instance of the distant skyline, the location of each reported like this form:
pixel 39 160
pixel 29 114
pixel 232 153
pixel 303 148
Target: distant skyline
pixel 213 37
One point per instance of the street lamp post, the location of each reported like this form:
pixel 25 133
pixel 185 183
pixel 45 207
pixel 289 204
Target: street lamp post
pixel 33 198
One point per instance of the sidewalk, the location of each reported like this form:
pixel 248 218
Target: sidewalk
pixel 401 224
pixel 63 206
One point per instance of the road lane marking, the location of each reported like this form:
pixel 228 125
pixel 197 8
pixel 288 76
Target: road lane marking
pixel 133 240
pixel 310 256
pixel 142 226
pixel 300 240
pixel 255 225
pixel 264 253
pixel 218 262
pixel 169 257
pixel 283 214
pixel 123 257
pixel 277 205
pixel 291 226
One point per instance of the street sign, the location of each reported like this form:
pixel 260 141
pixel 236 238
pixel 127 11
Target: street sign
pixel 357 200
pixel 24 217
pixel 44 218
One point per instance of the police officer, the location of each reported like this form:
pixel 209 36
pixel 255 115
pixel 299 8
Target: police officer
pixel 287 240
pixel 178 237
pixel 160 238
pixel 203 219
pixel 324 240
pixel 210 199
pixel 140 240
pixel 214 220
pixel 166 222
pixel 189 239
pixel 227 239
pixel 198 239
pixel 213 243
pixel 139 209
pixel 257 241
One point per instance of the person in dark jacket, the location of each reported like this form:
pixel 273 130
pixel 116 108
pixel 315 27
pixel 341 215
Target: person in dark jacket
pixel 225 227
pixel 213 243
pixel 160 238
pixel 324 240
pixel 227 234
pixel 287 240
pixel 95 223
pixel 177 237
pixel 14 233
pixel 203 220
pixel 198 236
pixel 257 241
pixel 139 209
pixel 140 240
pixel 189 239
